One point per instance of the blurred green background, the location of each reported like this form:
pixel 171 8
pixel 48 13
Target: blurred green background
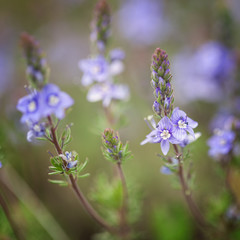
pixel 63 28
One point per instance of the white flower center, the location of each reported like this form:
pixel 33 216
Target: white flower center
pixel 96 69
pixel 165 134
pixel 222 142
pixel 53 100
pixel 182 124
pixel 105 88
pixel 37 128
pixel 32 106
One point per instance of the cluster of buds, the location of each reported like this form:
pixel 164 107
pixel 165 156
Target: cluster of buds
pixel 101 25
pixel 37 69
pixel 114 150
pixel 161 82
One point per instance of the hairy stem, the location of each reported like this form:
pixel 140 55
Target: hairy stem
pixel 76 189
pixel 187 193
pixel 15 229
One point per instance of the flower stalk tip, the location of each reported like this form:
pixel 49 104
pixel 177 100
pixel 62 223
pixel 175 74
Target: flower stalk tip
pixel 161 83
pixel 101 25
pixel 37 69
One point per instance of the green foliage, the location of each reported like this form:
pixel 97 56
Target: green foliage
pixel 171 223
pixel 65 137
pixel 108 196
pixel 60 166
pixel 217 207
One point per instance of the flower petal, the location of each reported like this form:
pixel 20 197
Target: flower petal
pixel 165 123
pixel 192 123
pixel 165 146
pixel 180 134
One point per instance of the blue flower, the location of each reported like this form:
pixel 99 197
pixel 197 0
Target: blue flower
pixel 222 120
pixel 36 130
pixel 30 107
pixel 55 101
pixel 165 170
pixel 142 21
pixel 162 133
pixel 68 158
pixel 99 70
pixel 1 164
pixel 183 124
pixel 105 92
pixel 94 69
pixel 221 142
pixel 117 54
pixel 214 61
pixel 189 139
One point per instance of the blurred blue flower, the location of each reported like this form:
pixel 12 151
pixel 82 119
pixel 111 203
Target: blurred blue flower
pixel 117 54
pixel 94 69
pixel 222 120
pixel 165 170
pixel 183 124
pixel 205 74
pixel 214 61
pixel 142 21
pixel 163 134
pixel 30 107
pixel 36 130
pixel 1 164
pixel 54 101
pixel 233 213
pixel 221 142
pixel 99 70
pixel 106 92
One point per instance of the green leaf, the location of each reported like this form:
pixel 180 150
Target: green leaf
pixel 60 182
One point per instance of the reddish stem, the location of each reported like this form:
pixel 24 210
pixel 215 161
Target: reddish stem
pixel 187 193
pixel 76 189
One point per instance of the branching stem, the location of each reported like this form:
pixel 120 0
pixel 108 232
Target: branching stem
pixel 76 189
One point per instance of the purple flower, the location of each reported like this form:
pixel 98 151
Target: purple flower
pixel 55 101
pixel 206 74
pixel 94 69
pixel 162 133
pixel 30 107
pixel 117 54
pixel 233 213
pixel 99 70
pixel 165 170
pixel 142 21
pixel 0 164
pixel 183 124
pixel 36 130
pixel 68 158
pixel 221 142
pixel 222 120
pixel 214 61
pixel 105 92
